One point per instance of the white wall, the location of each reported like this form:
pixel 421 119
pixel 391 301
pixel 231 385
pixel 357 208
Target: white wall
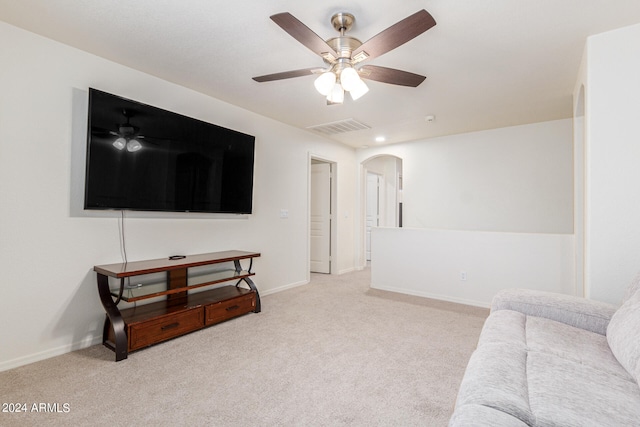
pixel 431 262
pixel 612 136
pixel 497 204
pixel 516 179
pixel 48 247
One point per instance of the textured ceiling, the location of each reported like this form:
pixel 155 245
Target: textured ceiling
pixel 488 64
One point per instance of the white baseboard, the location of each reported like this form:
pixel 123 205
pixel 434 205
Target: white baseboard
pixel 433 296
pixel 283 288
pixel 53 352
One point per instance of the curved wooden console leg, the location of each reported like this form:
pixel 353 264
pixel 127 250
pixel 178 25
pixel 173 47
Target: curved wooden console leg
pixel 249 282
pixel 113 317
pixel 253 288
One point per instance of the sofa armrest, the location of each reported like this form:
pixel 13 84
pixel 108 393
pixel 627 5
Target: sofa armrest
pixel 575 311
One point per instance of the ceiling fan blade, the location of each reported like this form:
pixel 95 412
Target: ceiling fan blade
pixel 303 34
pixel 391 76
pixel 286 75
pixel 394 36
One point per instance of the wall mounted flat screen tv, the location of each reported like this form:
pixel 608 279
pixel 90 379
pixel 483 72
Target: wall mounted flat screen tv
pixel 140 157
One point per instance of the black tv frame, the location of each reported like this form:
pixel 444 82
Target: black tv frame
pixel 196 166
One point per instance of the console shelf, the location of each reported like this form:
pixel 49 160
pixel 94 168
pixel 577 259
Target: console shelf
pixel 137 293
pixel 183 310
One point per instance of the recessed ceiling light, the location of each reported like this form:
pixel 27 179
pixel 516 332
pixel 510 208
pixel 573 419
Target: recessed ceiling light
pixel 380 139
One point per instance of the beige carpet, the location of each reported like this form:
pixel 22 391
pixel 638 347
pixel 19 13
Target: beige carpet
pixel 333 352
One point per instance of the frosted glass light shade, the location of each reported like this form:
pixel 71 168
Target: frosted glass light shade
pixel 120 143
pixel 133 145
pixel 325 83
pixel 360 89
pixel 336 96
pixel 350 79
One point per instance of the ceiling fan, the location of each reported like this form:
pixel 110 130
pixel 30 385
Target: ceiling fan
pixel 128 134
pixel 342 54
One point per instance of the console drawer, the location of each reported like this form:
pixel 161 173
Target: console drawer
pixel 150 332
pixel 224 310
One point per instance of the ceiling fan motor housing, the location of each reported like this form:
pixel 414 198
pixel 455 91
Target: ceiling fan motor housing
pixel 344 45
pixel 127 129
pixel 342 22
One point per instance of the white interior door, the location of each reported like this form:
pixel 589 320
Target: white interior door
pixel 373 207
pixel 320 218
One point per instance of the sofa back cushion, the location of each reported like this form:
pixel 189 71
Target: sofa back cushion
pixel 623 335
pixel 633 287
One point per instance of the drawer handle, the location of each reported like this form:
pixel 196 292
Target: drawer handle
pixel 233 307
pixel 170 326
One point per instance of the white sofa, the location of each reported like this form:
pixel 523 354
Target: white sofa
pixel 547 359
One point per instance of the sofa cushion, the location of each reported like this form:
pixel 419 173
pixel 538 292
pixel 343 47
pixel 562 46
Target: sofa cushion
pixel 565 393
pixel 483 416
pixel 574 344
pixel 540 334
pixel 496 376
pixel 504 326
pixel 623 335
pixel 582 313
pixel 632 289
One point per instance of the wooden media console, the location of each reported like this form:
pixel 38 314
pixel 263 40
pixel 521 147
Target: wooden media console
pixel 181 310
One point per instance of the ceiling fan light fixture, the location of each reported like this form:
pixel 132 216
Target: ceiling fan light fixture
pixel 349 78
pixel 133 145
pixel 360 89
pixel 325 83
pixel 120 143
pixel 336 96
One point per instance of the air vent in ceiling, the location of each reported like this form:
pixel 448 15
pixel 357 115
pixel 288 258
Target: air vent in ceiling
pixel 341 126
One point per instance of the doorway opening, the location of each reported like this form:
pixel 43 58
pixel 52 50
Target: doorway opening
pixel 372 213
pixel 382 202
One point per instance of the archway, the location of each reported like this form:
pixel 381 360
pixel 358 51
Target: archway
pixel 382 202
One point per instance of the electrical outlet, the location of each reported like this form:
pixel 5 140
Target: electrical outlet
pixel 463 275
